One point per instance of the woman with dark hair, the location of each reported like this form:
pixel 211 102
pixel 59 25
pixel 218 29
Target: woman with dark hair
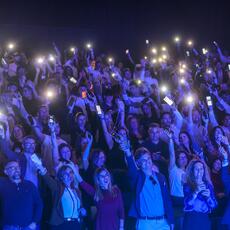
pixel 110 211
pixel 17 135
pixel 199 199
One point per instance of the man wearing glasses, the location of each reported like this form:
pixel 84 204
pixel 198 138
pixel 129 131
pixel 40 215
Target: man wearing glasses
pixel 20 203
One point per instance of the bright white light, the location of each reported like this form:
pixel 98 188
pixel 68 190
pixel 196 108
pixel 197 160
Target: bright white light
pixel 127 51
pixel 145 57
pixel 49 94
pixel 11 46
pixel 182 81
pixel 40 60
pixel 204 51
pixel 113 74
pixel 147 41
pixel 184 66
pixel 154 61
pixel 190 42
pixel 51 58
pixel 164 56
pixel 208 71
pixel 154 50
pixel 138 81
pixel 177 39
pixel 110 59
pixel 88 45
pixel 189 99
pixel 181 70
pixel 164 88
pixel 163 48
pixel 72 49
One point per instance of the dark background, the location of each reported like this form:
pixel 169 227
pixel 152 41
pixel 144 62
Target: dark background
pixel 113 26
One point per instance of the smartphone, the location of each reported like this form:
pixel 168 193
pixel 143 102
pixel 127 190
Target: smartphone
pixel 98 108
pixel 228 67
pixel 73 80
pixel 187 53
pixel 36 159
pixel 168 100
pixel 51 120
pixel 84 94
pixel 209 101
pixel 4 61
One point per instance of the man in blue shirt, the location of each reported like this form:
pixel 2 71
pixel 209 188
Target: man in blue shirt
pixel 20 203
pixel 151 204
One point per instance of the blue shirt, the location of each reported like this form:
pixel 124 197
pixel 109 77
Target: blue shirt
pixel 151 202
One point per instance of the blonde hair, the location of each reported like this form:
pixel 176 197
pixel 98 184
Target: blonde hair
pixel 98 191
pixel 190 179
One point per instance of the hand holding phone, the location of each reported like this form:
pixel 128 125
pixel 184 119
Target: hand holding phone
pixel 36 159
pixel 168 101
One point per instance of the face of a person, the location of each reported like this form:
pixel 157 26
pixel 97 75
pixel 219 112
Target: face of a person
pixel 27 93
pixel 217 165
pixel 43 113
pixel 65 153
pixel 108 118
pixel 18 134
pixel 29 145
pixel 67 176
pixel 100 161
pixel 198 171
pixel 13 171
pixel 183 138
pixel 134 90
pixel 134 123
pixel 146 109
pixel 227 121
pixel 145 162
pixel 12 88
pixel 128 75
pixel 166 120
pixel 154 134
pixel 196 116
pixel 104 179
pixel 182 160
pixel 218 134
pixel 81 121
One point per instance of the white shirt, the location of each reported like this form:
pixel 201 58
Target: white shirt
pixel 175 181
pixel 70 204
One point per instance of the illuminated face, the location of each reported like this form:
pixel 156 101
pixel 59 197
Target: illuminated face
pixel 67 176
pixel 184 139
pixel 134 90
pixel 100 161
pixel 43 113
pixel 196 117
pixel 18 134
pixel 65 153
pixel 29 145
pixel 182 160
pixel 27 93
pixel 12 170
pixel 217 165
pixel 154 134
pixel 104 179
pixel 145 162
pixel 134 123
pixel 146 109
pixel 218 133
pixel 166 120
pixel 81 121
pixel 198 171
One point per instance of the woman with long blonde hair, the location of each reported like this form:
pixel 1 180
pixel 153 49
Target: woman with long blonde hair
pixel 110 210
pixel 199 199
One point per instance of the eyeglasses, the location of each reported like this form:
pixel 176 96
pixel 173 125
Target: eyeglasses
pixel 12 168
pixel 30 143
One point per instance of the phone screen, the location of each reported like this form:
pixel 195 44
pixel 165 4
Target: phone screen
pixel 209 101
pixel 98 108
pixel 168 101
pixel 229 67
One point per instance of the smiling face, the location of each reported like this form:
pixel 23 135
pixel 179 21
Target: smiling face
pixel 67 176
pixel 184 139
pixel 13 171
pixel 182 160
pixel 65 153
pixel 145 163
pixel 198 171
pixel 104 179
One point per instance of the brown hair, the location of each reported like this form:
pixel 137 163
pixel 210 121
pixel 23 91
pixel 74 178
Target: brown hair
pixel 98 193
pixel 190 174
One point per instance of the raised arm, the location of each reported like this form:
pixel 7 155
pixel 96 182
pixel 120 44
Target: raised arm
pixel 85 154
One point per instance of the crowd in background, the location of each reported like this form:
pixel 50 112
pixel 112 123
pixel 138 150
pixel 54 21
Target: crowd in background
pixel 88 142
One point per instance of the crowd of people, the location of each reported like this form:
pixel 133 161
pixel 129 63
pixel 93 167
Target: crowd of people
pixel 89 142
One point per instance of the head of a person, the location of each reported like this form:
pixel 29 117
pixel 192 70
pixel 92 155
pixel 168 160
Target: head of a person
pixel 66 175
pixel 184 138
pixel 98 158
pixel 133 123
pixel 80 119
pixel 226 121
pixel 196 116
pixel 102 180
pixel 197 172
pixel 216 134
pixel 134 89
pixel 216 165
pixel 108 96
pixel 29 144
pixel 127 74
pixel 143 159
pixel 154 132
pixel 65 151
pixel 18 133
pixel 166 120
pixel 181 159
pixel 43 114
pixel 12 87
pixel 146 109
pixel 27 92
pixel 21 71
pixel 12 170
